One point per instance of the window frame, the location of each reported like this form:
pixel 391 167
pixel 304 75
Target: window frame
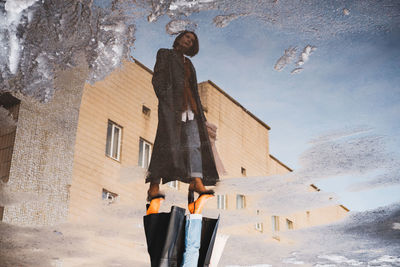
pixel 143 142
pixel 108 196
pixel 243 171
pixel 174 184
pixel 275 223
pixel 110 146
pixel 146 110
pixel 259 226
pixel 243 201
pixel 221 202
pixel 289 224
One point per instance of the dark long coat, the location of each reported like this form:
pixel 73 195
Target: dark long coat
pixel 168 160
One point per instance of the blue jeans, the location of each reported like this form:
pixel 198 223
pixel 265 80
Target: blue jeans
pixel 192 240
pixel 192 147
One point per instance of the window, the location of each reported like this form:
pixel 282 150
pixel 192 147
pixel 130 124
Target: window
pixel 243 171
pixel 9 110
pixel 275 223
pixel 259 225
pixel 57 262
pixel 221 202
pixel 240 202
pixel 146 111
pixel 289 224
pixel 113 144
pixel 275 228
pixel 174 184
pixel 144 153
pixel 108 196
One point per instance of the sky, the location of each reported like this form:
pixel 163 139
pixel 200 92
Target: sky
pixel 350 81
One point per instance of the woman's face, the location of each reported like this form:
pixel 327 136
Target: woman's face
pixel 186 42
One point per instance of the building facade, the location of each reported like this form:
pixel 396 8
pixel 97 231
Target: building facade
pixel 92 144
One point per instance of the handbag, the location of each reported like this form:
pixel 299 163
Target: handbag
pixel 165 236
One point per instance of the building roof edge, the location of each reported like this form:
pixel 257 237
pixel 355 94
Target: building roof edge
pixel 343 207
pixel 141 65
pixel 281 163
pixel 237 103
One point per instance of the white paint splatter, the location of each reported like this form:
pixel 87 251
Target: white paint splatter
pixel 14 10
pixel 386 259
pixel 176 26
pixel 293 261
pixel 305 55
pixel 396 226
pixel 341 259
pixel 222 21
pixel 286 58
pixel 296 70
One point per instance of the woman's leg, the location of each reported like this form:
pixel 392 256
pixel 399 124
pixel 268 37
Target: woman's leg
pixel 154 197
pixel 192 240
pixel 197 185
pixel 194 167
pixel 192 145
pixel 154 189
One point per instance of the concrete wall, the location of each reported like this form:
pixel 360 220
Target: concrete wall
pixel 42 160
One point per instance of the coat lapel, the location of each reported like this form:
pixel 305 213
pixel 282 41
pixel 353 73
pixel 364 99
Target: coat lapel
pixel 177 60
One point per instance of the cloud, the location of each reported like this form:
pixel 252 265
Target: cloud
pixel 289 56
pixel 296 70
pixel 286 58
pixel 177 25
pixel 356 152
pixel 363 238
pixel 340 133
pixel 222 21
pixel 305 55
pixel 352 151
pixel 389 178
pixel 350 155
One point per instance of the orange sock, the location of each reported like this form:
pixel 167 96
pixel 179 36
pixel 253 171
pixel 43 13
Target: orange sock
pixel 154 205
pixel 197 206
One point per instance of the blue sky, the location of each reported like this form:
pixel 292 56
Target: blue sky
pixel 351 80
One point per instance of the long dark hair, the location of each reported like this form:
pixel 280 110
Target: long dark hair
pixel 195 47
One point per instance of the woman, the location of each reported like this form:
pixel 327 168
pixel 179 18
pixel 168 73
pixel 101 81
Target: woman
pixel 182 149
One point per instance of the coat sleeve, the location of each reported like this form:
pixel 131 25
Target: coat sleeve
pixel 161 77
